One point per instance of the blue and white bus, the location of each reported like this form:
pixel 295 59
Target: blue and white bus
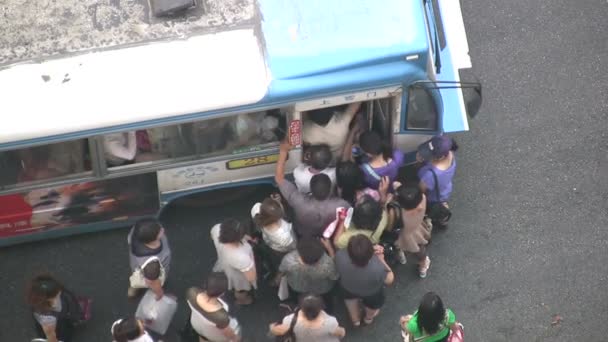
pixel 95 136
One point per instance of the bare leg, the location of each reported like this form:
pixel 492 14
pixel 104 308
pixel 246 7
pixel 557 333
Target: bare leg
pixel 354 310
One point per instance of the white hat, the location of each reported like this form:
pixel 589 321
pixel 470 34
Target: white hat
pixel 256 209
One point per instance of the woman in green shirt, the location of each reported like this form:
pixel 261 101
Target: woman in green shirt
pixel 432 322
pixel 369 219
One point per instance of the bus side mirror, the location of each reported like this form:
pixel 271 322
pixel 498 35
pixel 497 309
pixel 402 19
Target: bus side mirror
pixel 472 99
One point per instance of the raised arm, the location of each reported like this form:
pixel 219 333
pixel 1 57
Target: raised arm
pixel 279 173
pixel 347 149
pixel 351 110
pixel 339 232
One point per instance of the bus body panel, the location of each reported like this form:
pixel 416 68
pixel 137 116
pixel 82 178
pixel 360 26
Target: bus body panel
pixel 56 208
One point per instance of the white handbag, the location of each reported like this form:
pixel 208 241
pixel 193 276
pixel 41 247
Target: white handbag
pixel 156 314
pixel 137 279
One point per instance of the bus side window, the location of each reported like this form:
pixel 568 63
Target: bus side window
pixel 421 110
pixel 200 139
pixel 235 134
pixel 44 162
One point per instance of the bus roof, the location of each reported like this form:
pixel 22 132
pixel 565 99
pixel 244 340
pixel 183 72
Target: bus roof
pixel 77 67
pixel 312 37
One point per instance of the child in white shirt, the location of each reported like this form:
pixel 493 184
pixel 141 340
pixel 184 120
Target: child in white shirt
pixel 316 160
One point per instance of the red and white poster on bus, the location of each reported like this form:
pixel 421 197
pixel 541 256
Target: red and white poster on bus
pixel 75 204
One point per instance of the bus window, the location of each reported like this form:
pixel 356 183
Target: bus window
pixel 421 110
pixel 44 162
pixel 206 138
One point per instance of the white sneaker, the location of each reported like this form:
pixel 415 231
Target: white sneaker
pixel 401 257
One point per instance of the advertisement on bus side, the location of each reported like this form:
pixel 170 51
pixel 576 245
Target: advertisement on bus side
pixel 75 204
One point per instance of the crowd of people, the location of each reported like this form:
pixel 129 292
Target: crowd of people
pixel 334 235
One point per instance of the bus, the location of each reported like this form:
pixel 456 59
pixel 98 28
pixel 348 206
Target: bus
pixel 108 119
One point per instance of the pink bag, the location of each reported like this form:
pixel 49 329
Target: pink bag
pixel 457 336
pixel 85 304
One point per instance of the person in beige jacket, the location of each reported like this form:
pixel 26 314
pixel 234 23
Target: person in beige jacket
pixel 416 231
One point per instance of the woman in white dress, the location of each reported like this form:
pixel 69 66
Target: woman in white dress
pixel 210 316
pixel 235 258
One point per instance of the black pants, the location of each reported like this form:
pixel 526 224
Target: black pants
pixel 328 299
pixel 268 256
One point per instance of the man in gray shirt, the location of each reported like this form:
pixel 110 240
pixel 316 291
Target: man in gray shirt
pixel 312 212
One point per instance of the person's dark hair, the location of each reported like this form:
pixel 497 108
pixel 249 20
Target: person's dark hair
pixel 360 250
pixel 310 250
pixel 152 270
pixel 409 196
pixel 320 186
pixel 147 230
pixel 371 143
pixel 217 284
pixel 270 212
pixel 322 116
pixel 431 313
pixel 320 156
pixel 311 305
pixel 454 146
pixel 41 289
pixel 367 213
pixel 349 179
pixel 126 330
pixel 231 231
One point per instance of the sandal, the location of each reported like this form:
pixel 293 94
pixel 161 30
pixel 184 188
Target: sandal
pixel 369 321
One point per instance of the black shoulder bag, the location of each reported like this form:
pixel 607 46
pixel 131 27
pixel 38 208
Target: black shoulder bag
pixel 289 336
pixel 438 212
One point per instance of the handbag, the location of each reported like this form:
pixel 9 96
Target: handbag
pixel 137 279
pixel 156 314
pixel 439 213
pixel 289 336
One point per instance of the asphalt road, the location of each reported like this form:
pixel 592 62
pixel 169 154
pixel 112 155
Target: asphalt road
pixel 528 239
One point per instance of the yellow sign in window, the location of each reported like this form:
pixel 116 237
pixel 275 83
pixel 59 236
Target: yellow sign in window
pixel 254 161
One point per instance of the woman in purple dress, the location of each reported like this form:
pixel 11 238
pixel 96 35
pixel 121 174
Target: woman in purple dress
pixel 382 159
